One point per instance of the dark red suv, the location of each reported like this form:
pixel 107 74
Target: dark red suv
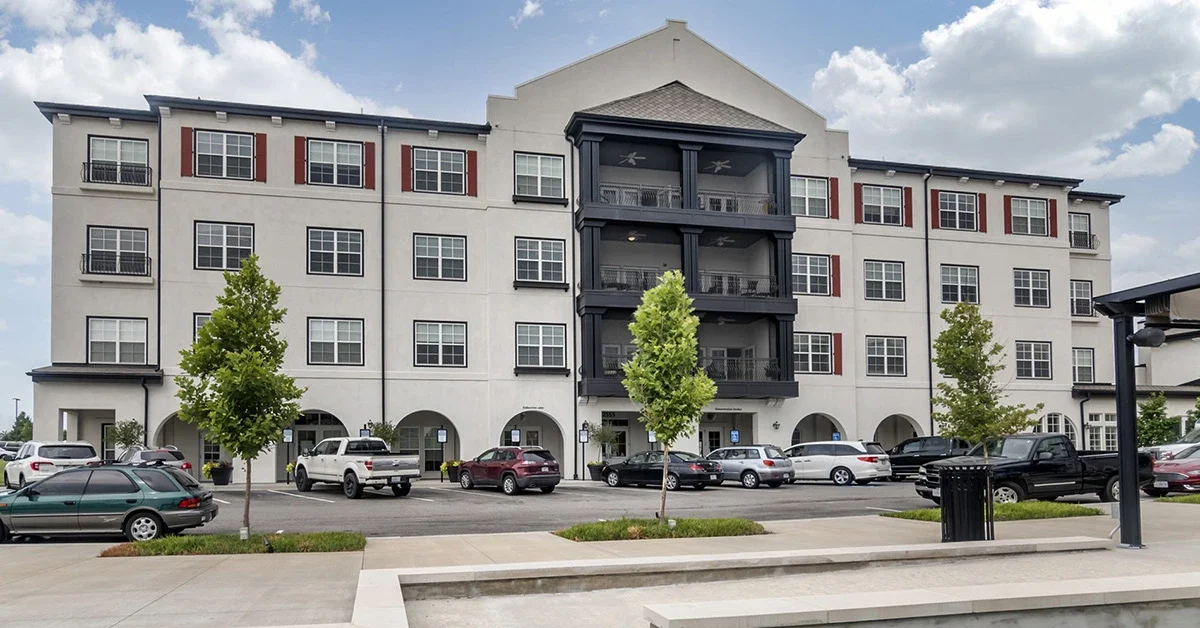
pixel 513 469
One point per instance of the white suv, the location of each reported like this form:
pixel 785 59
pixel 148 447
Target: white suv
pixel 842 462
pixel 38 461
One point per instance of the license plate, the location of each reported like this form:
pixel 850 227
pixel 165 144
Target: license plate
pixel 937 492
pixel 1161 484
pixel 712 477
pixel 395 480
pixel 545 469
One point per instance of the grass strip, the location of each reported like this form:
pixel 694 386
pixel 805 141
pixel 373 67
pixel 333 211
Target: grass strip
pixel 204 544
pixel 1021 511
pixel 634 529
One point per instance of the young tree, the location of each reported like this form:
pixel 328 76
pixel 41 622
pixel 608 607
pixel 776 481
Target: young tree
pixel 384 429
pixel 127 434
pixel 1154 426
pixel 232 389
pixel 1193 417
pixel 662 377
pixel 967 354
pixel 22 429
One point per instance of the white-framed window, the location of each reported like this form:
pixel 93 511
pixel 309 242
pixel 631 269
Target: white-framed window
pixel 1033 360
pixel 1055 423
pixel 887 356
pixel 335 252
pixel 882 206
pixel 884 280
pixel 538 175
pixel 1081 298
pixel 1031 288
pixel 1079 231
pixel 813 352
pixel 810 197
pixel 541 345
pixel 335 341
pixel 199 319
pixel 960 284
pixel 441 171
pixel 223 246
pixel 439 343
pixel 439 257
pixel 811 274
pixel 1083 365
pixel 408 440
pixel 1102 431
pixel 335 163
pixel 118 160
pixel 117 251
pixel 116 341
pixel 541 260
pixel 211 452
pixel 1030 216
pixel 224 155
pixel 957 210
pixel 108 446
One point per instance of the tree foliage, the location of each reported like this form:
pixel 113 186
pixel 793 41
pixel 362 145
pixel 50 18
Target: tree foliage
pixel 603 435
pixel 663 377
pixel 232 388
pixel 1154 425
pixel 22 429
pixel 384 429
pixel 128 433
pixel 1193 416
pixel 967 354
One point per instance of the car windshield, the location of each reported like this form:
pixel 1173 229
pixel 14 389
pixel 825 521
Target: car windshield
pixel 774 453
pixel 872 448
pixel 1013 448
pixel 1190 452
pixel 537 456
pixel 685 456
pixel 366 446
pixel 166 455
pixel 184 479
pixel 66 452
pixel 1191 437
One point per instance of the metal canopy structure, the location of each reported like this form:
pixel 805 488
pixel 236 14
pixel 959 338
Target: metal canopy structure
pixel 1173 303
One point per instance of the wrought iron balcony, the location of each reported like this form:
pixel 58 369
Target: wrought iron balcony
pixel 112 172
pixel 1083 240
pixel 109 263
pixel 629 278
pixel 737 285
pixel 670 197
pixel 736 202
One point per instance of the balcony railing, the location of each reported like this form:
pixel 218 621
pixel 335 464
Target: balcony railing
pixel 629 278
pixel 1082 307
pixel 737 285
pixel 670 197
pixel 736 202
pixel 109 263
pixel 1083 240
pixel 718 369
pixel 119 174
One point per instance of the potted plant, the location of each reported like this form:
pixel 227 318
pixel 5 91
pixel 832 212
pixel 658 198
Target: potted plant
pixel 594 467
pixel 219 471
pixel 450 469
pixel 604 436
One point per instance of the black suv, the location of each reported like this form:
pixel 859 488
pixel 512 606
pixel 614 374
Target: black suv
pixel 908 456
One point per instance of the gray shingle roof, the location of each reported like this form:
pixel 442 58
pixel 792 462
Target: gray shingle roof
pixel 676 102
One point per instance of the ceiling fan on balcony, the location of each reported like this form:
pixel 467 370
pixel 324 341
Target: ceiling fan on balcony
pixel 722 241
pixel 635 235
pixel 631 159
pixel 721 320
pixel 717 166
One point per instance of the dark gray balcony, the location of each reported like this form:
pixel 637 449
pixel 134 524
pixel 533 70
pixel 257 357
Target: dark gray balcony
pixel 736 378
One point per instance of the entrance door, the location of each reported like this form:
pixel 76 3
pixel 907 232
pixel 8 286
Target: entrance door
pixel 433 451
pixel 711 440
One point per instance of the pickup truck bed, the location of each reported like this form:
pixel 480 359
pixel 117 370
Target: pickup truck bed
pixel 355 464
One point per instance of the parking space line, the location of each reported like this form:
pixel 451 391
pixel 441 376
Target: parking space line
pixel 221 501
pixel 317 499
pixel 459 491
pixel 881 509
pixel 424 499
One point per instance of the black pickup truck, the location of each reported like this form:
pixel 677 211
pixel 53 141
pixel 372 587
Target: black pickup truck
pixel 1039 466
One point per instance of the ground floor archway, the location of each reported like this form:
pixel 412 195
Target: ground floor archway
pixel 417 435
pixel 312 427
pixel 895 429
pixel 534 429
pixel 817 427
pixel 186 437
pixel 1058 423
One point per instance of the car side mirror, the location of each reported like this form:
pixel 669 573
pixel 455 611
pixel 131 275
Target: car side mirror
pixel 306 452
pixel 1045 455
pixel 31 492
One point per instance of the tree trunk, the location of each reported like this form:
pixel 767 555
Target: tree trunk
pixel 662 500
pixel 246 506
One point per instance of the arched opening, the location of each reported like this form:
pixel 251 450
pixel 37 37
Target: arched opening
pixel 312 427
pixel 534 429
pixel 894 429
pixel 186 437
pixel 417 435
pixel 817 427
pixel 1057 423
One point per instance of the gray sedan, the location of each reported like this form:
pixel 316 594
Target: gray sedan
pixel 752 465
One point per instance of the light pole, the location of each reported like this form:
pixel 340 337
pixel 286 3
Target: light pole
pixel 16 407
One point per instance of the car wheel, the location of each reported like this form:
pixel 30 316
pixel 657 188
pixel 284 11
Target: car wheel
pixel 401 490
pixel 775 484
pixel 144 526
pixel 937 501
pixel 351 486
pixel 1008 493
pixel 841 476
pixel 509 485
pixel 302 483
pixel 4 536
pixel 862 482
pixel 1112 490
pixel 465 481
pixel 612 479
pixel 21 481
pixel 672 482
pixel 750 479
pixel 1154 493
pixel 547 489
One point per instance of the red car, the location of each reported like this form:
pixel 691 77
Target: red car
pixel 513 469
pixel 1180 474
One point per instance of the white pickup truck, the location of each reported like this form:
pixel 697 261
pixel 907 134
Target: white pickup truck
pixel 356 463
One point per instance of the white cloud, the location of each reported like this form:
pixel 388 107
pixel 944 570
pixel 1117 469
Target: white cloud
pixel 3 325
pixel 26 280
pixel 1129 248
pixel 1133 279
pixel 56 16
pixel 1030 86
pixel 591 40
pixel 310 10
pixel 530 9
pixel 24 239
pixel 398 88
pixel 1189 249
pixel 603 13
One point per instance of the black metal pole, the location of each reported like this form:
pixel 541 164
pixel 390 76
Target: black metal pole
pixel 1131 511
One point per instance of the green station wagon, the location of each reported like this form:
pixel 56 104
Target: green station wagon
pixel 141 502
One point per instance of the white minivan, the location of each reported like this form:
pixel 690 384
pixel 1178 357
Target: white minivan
pixel 841 462
pixel 38 461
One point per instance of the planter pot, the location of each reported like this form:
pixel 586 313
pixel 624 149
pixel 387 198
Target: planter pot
pixel 220 477
pixel 594 472
pixel 452 473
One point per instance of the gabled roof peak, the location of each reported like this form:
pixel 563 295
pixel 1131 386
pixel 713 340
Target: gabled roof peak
pixel 676 102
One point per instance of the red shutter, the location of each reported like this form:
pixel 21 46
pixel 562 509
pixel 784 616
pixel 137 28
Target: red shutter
pixel 837 354
pixel 260 157
pixel 858 211
pixel 301 159
pixel 406 168
pixel 982 213
pixel 1053 218
pixel 908 207
pixel 833 198
pixel 472 173
pixel 835 275
pixel 1007 214
pixel 935 214
pixel 369 165
pixel 185 151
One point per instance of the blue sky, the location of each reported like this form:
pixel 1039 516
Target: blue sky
pixel 1102 89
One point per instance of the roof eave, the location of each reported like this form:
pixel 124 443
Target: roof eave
pixel 51 109
pixel 946 171
pixel 579 117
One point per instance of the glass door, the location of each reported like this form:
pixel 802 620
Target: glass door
pixel 433 451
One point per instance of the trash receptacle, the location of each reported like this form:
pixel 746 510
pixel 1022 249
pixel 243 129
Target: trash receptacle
pixel 965 504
